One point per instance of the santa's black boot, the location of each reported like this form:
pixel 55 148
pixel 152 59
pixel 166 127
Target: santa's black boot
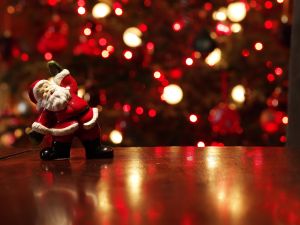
pixel 94 150
pixel 58 150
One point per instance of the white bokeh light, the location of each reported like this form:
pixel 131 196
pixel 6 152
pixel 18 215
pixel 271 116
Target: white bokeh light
pixel 172 94
pixel 101 10
pixel 214 57
pixel 116 137
pixel 132 37
pixel 238 93
pixel 236 11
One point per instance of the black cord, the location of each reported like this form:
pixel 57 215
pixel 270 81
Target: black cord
pixel 15 154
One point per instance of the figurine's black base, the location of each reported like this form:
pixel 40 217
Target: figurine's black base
pixel 103 152
pixel 93 150
pixel 58 150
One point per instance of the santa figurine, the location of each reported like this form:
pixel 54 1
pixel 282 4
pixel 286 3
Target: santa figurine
pixel 64 115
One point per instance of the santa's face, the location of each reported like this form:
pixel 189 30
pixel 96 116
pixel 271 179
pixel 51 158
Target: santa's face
pixel 52 97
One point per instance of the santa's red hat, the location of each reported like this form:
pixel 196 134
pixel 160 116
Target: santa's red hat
pixel 33 88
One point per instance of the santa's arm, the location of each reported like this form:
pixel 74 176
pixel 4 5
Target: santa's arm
pixel 40 127
pixel 65 79
pixel 62 77
pixel 43 122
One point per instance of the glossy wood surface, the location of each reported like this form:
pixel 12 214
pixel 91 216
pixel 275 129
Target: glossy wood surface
pixel 159 186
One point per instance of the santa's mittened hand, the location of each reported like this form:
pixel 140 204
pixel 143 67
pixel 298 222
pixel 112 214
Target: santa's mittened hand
pixel 35 137
pixel 54 67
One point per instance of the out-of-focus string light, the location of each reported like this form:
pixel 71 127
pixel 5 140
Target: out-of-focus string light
pixel 278 71
pixel 193 118
pixel 214 57
pixel 177 26
pixel 132 37
pixel 268 5
pixel 150 46
pixel 81 92
pixel 102 42
pixel 208 6
pixel 283 139
pixel 223 29
pixel 139 110
pixel 245 53
pixel 24 57
pixel 238 93
pixel 116 137
pixel 81 2
pixel 110 49
pixel 200 144
pixel 172 94
pixel 119 11
pixel 285 120
pixel 48 56
pixel 157 74
pixel 236 27
pixel 220 14
pixel 87 31
pixel 236 11
pixel 128 54
pixel 81 10
pixel 189 61
pixel 152 112
pixel 101 10
pixel 18 133
pixel 10 9
pixel 126 108
pixel 105 54
pixel 52 2
pixel 268 24
pixel 284 19
pixel 258 46
pixel 270 77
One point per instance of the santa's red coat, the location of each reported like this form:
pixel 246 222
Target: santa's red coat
pixel 75 117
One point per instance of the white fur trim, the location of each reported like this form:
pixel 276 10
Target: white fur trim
pixel 54 131
pixel 64 131
pixel 40 128
pixel 36 87
pixel 88 125
pixel 60 76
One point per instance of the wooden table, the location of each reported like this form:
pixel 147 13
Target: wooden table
pixel 161 185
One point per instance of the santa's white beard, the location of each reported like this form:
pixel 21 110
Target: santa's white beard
pixel 56 101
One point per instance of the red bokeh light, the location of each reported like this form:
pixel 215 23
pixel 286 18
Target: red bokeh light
pixel 24 57
pixel 126 108
pixel 139 110
pixel 278 71
pixel 102 41
pixel 48 56
pixel 245 53
pixel 143 27
pixel 268 24
pixel 270 77
pixel 52 2
pixel 208 6
pixel 152 113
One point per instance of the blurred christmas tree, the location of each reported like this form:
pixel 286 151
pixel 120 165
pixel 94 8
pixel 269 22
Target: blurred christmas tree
pixel 184 72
